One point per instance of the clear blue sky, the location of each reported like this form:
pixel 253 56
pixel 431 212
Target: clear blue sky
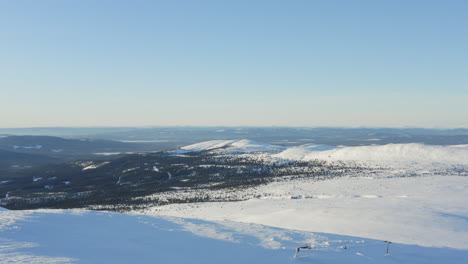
pixel 195 62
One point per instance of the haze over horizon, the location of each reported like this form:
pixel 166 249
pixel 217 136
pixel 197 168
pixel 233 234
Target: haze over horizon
pixel 241 63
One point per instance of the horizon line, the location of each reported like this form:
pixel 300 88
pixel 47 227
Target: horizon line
pixel 242 126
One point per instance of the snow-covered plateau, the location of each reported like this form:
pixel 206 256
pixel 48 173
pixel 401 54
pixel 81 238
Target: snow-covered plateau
pixel 419 202
pixel 429 211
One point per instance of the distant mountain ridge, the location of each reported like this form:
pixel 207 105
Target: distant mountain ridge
pixel 411 152
pixel 49 144
pixel 46 149
pixel 288 135
pixel 10 159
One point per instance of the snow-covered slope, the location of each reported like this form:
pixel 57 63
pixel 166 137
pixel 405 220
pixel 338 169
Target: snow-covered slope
pixel 383 153
pixel 299 152
pixel 232 146
pixel 245 145
pixel 428 211
pixel 207 145
pixel 390 153
pixel 98 237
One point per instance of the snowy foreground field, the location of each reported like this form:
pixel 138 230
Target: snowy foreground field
pixel 426 218
pixel 428 211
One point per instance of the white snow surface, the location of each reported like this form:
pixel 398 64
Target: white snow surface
pixel 300 152
pixel 412 152
pixel 107 153
pixel 207 145
pixel 430 211
pixel 28 147
pixel 232 146
pixel 373 154
pixel 95 166
pixel 72 236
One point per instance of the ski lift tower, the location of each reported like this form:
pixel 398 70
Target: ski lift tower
pixel 388 246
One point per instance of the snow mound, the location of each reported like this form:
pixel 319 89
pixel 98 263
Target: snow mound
pixel 207 145
pixel 233 146
pixel 299 152
pixel 396 152
pixel 412 152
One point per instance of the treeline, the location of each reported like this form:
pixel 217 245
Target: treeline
pixel 124 183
